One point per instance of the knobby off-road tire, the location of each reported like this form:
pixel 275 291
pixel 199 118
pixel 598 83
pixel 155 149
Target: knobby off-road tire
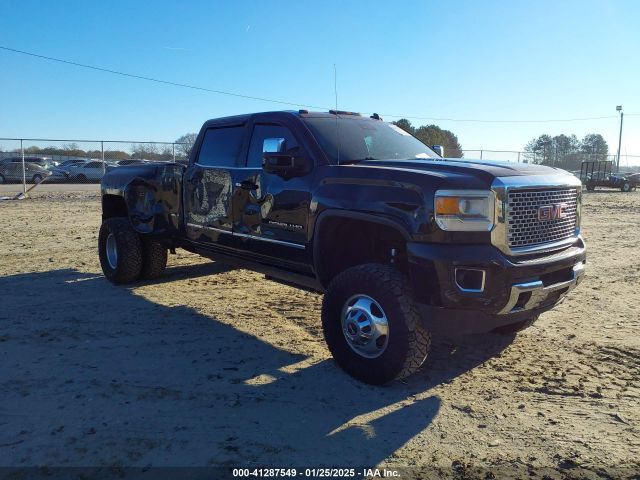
pixel 154 259
pixel 516 327
pixel 407 342
pixel 117 233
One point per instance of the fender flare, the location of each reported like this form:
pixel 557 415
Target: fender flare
pixel 142 222
pixel 333 213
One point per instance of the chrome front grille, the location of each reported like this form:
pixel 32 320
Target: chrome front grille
pixel 525 229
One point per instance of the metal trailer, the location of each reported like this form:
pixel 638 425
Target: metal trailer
pixel 599 174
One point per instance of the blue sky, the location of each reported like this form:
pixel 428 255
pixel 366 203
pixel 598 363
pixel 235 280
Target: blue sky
pixel 511 60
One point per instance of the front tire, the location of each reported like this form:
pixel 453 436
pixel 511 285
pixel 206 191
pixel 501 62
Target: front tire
pixel 120 251
pixel 2 180
pixel 372 326
pixel 36 179
pixel 626 187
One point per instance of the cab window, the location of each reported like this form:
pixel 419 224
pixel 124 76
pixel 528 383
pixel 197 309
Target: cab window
pixel 263 132
pixel 221 146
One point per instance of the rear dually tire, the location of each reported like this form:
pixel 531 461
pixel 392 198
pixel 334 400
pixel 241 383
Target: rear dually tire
pixel 154 259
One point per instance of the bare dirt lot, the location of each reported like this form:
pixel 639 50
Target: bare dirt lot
pixel 213 366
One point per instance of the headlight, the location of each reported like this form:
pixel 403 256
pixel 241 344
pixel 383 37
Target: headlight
pixel 465 210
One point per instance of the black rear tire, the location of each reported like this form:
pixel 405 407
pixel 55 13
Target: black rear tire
pixel 128 264
pixel 154 259
pixel 516 327
pixel 407 342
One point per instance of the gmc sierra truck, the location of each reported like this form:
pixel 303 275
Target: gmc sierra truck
pixel 401 241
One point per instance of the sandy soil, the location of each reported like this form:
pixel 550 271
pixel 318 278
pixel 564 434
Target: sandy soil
pixel 212 366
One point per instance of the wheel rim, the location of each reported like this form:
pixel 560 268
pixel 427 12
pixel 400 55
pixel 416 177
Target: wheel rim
pixel 112 251
pixel 365 326
pixel 37 179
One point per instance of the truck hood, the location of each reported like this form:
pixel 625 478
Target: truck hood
pixel 485 169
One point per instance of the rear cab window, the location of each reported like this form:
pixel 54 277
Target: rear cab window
pixel 221 147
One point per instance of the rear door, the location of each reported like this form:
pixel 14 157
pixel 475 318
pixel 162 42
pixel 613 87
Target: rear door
pixel 92 170
pixel 12 171
pixel 271 212
pixel 208 186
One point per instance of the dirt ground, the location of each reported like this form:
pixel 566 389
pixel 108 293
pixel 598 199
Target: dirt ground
pixel 213 366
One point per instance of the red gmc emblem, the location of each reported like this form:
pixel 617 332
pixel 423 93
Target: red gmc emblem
pixel 552 212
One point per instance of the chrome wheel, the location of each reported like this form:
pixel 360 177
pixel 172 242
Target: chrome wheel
pixel 112 251
pixel 365 326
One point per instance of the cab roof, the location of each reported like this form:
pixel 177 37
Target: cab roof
pixel 279 114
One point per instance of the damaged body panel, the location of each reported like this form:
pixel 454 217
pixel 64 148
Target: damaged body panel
pixel 150 194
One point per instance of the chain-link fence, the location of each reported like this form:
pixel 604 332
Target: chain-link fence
pixel 25 162
pixel 33 161
pixel 567 161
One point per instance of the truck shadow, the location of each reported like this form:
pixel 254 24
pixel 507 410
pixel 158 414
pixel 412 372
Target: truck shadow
pixel 94 374
pixel 173 273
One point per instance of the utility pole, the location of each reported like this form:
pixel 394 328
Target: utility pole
pixel 619 109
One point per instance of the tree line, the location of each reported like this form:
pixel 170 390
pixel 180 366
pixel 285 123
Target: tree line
pixel 563 151
pixel 434 135
pixel 147 151
pixel 566 151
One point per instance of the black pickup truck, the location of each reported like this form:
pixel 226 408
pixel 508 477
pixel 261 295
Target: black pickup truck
pixel 401 241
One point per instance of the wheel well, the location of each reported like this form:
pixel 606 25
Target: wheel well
pixel 113 206
pixel 342 243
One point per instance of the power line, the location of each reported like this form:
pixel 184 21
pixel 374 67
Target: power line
pixel 156 80
pixel 293 104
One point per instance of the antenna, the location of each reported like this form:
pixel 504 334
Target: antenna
pixel 335 91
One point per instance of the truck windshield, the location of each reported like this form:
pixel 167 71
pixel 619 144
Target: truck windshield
pixel 354 139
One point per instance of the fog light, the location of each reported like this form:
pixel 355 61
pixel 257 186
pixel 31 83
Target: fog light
pixel 470 279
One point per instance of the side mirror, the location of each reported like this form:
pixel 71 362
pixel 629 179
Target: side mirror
pixel 285 165
pixel 439 149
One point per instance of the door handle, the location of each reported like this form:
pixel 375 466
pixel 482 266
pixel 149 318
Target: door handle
pixel 247 185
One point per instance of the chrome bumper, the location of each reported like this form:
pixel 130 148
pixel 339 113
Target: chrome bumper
pixel 539 292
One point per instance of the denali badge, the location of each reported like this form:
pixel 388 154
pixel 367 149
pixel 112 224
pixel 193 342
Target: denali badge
pixel 552 212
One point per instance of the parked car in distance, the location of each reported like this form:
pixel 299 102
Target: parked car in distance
pixel 634 178
pixel 131 161
pixel 73 163
pixel 63 171
pixel 44 162
pixel 92 170
pixel 12 172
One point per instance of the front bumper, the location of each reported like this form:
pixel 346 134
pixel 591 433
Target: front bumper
pixel 513 287
pixel 537 292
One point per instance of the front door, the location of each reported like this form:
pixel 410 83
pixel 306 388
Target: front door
pixel 208 186
pixel 271 212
